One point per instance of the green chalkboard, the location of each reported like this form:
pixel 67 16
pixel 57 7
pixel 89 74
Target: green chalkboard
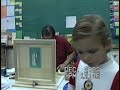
pixel 37 13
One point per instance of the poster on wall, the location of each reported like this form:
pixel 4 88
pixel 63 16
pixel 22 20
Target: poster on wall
pixel 10 22
pixel 3 24
pixel 3 11
pixel 3 2
pixel 10 2
pixel 10 10
pixel 8 15
pixel 70 21
pixel 115 19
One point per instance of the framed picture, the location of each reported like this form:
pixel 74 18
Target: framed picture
pixel 35 61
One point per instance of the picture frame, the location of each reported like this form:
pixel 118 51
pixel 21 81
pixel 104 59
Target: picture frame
pixel 35 64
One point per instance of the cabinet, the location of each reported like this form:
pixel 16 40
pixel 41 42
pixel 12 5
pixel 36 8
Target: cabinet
pixel 7 57
pixel 3 56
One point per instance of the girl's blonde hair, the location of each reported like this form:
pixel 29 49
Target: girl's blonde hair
pixel 91 25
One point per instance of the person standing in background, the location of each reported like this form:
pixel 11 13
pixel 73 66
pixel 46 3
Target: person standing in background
pixel 64 50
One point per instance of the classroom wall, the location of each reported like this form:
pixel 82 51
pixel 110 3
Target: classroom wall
pixel 36 14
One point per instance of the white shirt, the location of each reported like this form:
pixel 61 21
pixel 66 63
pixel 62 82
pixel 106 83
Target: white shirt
pixel 97 78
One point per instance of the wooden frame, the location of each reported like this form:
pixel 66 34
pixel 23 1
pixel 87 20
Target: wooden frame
pixel 45 73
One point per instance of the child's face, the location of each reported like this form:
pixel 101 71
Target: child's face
pixel 91 51
pixel 48 37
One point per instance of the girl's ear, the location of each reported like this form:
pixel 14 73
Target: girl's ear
pixel 108 45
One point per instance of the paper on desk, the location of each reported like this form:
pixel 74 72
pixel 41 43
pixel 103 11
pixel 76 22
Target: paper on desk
pixel 4 83
pixel 11 71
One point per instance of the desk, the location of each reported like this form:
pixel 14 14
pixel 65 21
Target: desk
pixel 22 88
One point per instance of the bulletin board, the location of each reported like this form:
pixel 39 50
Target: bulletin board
pixel 37 13
pixel 8 16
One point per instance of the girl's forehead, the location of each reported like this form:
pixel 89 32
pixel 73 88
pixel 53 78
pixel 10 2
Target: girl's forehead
pixel 88 43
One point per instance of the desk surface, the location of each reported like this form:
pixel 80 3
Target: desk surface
pixel 22 88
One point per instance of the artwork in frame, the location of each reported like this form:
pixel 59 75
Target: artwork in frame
pixel 35 64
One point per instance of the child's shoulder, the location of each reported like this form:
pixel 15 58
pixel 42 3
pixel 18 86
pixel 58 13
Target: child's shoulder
pixel 60 38
pixel 76 64
pixel 115 83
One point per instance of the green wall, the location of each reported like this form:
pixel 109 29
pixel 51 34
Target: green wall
pixel 37 13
